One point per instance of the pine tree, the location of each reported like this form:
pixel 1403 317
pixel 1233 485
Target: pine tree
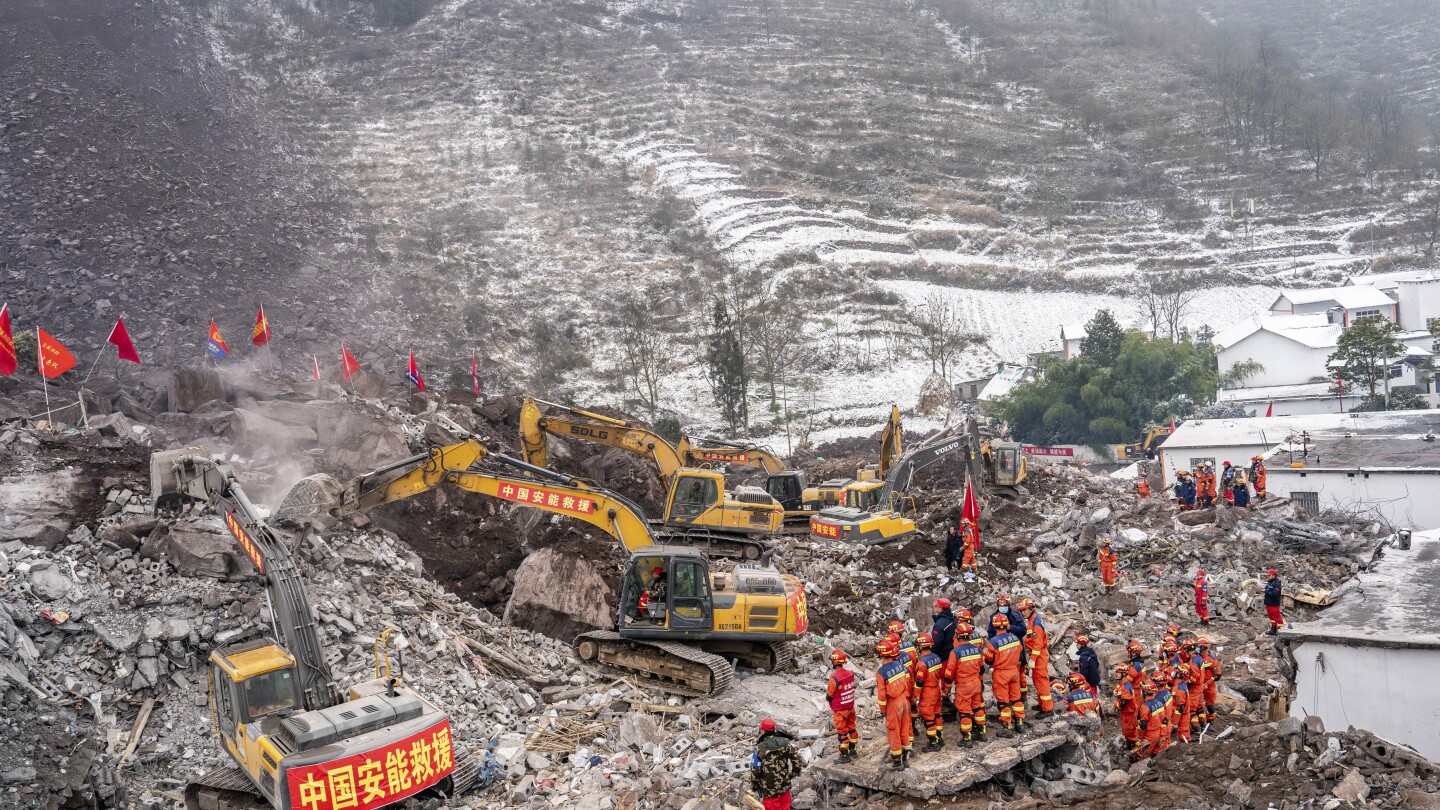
pixel 1103 337
pixel 725 366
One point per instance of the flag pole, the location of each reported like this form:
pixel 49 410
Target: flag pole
pixel 95 364
pixel 44 380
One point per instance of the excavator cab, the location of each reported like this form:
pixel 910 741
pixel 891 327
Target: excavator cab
pixel 250 683
pixel 864 495
pixel 1005 468
pixel 788 488
pixel 698 499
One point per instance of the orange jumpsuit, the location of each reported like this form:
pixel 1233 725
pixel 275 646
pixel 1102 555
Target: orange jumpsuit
pixel 1037 647
pixel 1257 476
pixel 892 689
pixel 1127 705
pixel 1082 702
pixel 1006 657
pixel 1181 725
pixel 1196 686
pixel 1108 574
pixel 929 686
pixel 970 542
pixel 840 692
pixel 1205 491
pixel 1154 726
pixel 1212 674
pixel 967 662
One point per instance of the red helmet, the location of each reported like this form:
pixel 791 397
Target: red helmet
pixel 924 641
pixel 1026 603
pixel 1002 599
pixel 1202 641
pixel 1058 688
pixel 1200 572
pixel 1120 669
pixel 838 657
pixel 887 648
pixel 963 629
pixel 1082 640
pixel 1272 573
pixel 1172 630
pixel 942 603
pixel 1182 671
pixel 1188 642
pixel 1169 647
pixel 999 620
pixel 896 628
pixel 1075 679
pixel 1148 688
pixel 964 614
pixel 1135 648
pixel 767 725
pixel 1227 464
pixel 657 570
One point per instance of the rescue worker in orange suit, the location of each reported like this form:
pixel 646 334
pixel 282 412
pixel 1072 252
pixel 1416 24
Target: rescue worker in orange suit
pixel 1213 671
pixel 1205 485
pixel 840 692
pixel 892 691
pixel 1005 653
pixel 1079 698
pixel 929 687
pixel 654 592
pixel 1192 708
pixel 1195 680
pixel 1109 573
pixel 1089 668
pixel 964 669
pixel 1274 595
pixel 1202 597
pixel 1257 476
pixel 1164 683
pixel 969 545
pixel 1127 706
pixel 1142 487
pixel 1037 651
pixel 1135 670
pixel 1152 722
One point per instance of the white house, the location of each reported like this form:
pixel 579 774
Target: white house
pixel 1004 381
pixel 1344 305
pixel 1379 641
pixel 1291 400
pixel 1238 440
pixel 1294 349
pixel 1416 293
pixel 1386 466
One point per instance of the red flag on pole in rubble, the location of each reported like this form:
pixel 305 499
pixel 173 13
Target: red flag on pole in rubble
pixel 971 511
pixel 315 364
pixel 413 374
pixel 55 359
pixel 348 363
pixel 474 373
pixel 120 339
pixel 8 360
pixel 261 335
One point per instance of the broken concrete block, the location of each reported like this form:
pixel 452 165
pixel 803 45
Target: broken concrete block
pixel 49 582
pixel 1352 788
pixel 638 730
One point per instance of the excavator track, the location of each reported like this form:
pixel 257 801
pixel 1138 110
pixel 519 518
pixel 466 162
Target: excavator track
pixel 227 788
pixel 677 668
pixel 784 655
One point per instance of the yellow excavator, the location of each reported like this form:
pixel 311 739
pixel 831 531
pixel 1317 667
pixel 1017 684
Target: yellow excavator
pixel 1146 448
pixel 868 480
pixel 788 487
pixel 875 515
pixel 298 742
pixel 699 508
pixel 1005 469
pixel 678 620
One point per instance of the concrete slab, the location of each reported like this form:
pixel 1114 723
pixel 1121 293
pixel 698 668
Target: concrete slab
pixel 951 770
pixel 792 705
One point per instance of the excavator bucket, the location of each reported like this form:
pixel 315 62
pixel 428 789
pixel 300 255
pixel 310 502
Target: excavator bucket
pixel 165 482
pixel 312 500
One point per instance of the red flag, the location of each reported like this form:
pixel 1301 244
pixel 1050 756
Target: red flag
pixel 348 363
pixel 55 359
pixel 971 511
pixel 413 374
pixel 215 343
pixel 120 338
pixel 261 335
pixel 1270 411
pixel 474 373
pixel 8 361
pixel 1172 425
pixel 315 361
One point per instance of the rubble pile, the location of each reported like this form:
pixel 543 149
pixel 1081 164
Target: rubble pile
pixel 108 612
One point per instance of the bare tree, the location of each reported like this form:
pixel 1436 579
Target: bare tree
pixel 646 349
pixel 779 340
pixel 1166 299
pixel 1321 129
pixel 938 333
pixel 742 294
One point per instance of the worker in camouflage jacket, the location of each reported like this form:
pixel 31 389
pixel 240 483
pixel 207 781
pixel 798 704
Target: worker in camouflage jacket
pixel 774 766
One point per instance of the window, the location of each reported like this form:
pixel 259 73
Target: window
pixel 1364 313
pixel 692 595
pixel 1006 456
pixel 224 701
pixel 1309 501
pixel 269 693
pixel 694 495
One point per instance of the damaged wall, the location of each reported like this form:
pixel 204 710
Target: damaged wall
pixel 1383 690
pixel 1395 496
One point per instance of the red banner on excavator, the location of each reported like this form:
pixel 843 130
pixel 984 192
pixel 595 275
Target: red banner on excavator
pixel 540 496
pixel 247 545
pixel 382 776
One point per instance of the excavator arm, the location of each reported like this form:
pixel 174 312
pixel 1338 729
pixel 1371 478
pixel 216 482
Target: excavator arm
pixel 188 474
pixel 938 447
pixel 452 465
pixel 707 452
pixel 891 442
pixel 597 429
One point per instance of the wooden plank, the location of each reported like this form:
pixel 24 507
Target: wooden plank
pixel 136 731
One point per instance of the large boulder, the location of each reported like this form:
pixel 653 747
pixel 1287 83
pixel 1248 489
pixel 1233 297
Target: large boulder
pixel 37 508
pixel 192 387
pixel 559 595
pixel 255 432
pixel 356 442
pixel 199 547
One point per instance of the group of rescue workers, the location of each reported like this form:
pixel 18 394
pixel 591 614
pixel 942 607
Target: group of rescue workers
pixel 1199 490
pixel 1173 698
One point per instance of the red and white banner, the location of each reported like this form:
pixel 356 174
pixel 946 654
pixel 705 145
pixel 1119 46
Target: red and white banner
pixel 382 776
pixel 1049 451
